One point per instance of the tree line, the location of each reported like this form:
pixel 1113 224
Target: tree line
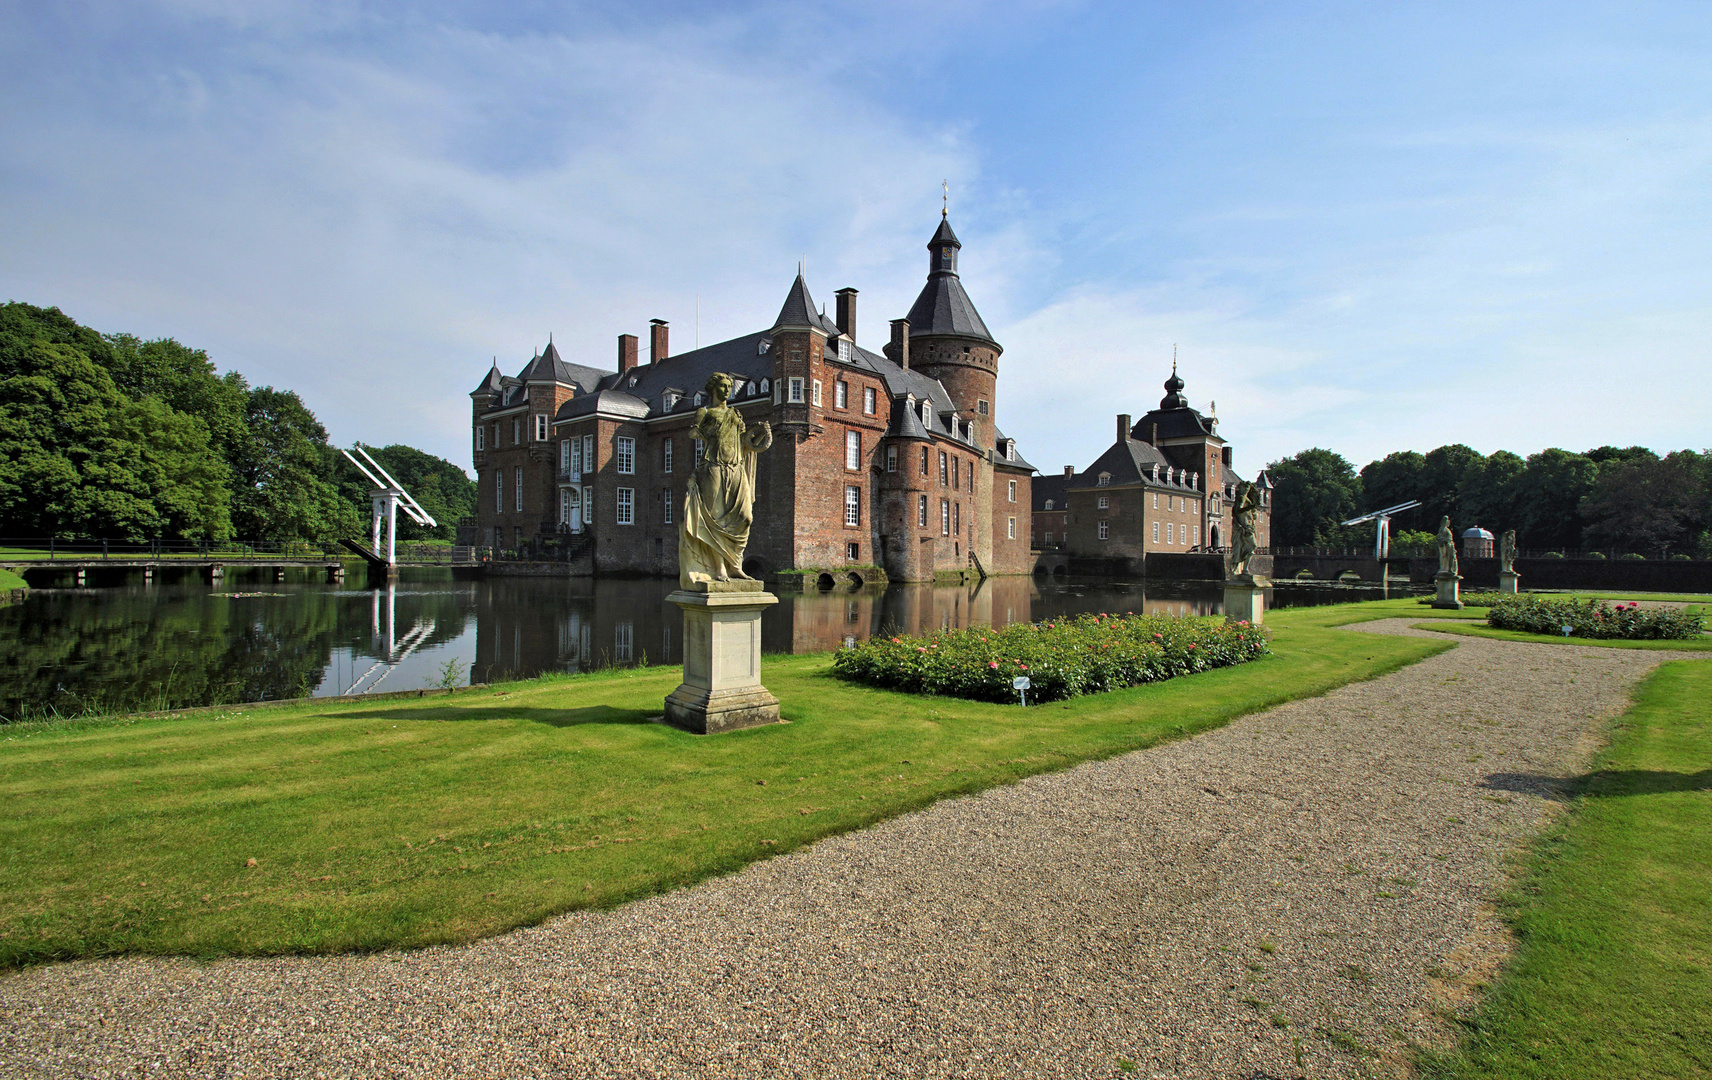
pixel 110 436
pixel 1614 499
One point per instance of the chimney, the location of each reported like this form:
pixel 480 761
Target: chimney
pixel 1069 470
pixel 847 313
pixel 1123 426
pixel 657 348
pixel 900 340
pixel 626 352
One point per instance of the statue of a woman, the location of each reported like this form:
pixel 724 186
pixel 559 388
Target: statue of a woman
pixel 719 506
pixel 1507 552
pixel 1447 547
pixel 1243 515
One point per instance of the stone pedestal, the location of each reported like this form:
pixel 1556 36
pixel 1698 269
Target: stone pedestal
pixel 1507 581
pixel 1449 589
pixel 1245 599
pixel 722 688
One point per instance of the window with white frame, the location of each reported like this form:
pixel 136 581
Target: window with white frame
pixel 588 506
pixel 623 641
pixel 817 393
pixel 944 469
pixel 666 456
pixel 1012 489
pixel 574 448
pixel 1105 531
pixel 891 459
pixel 1170 533
pixel 921 512
pixel 841 394
pixel 981 407
pixel 1049 504
pixel 1105 479
pixel 1104 502
pixel 626 506
pixel 956 519
pixel 700 399
pixel 700 449
pixel 852 505
pixel 540 427
pixel 844 350
pixel 481 436
pixel 945 517
pixel 666 507
pixel 1156 500
pixel 767 386
pixel 589 462
pixel 564 455
pixel 671 399
pixel 565 506
pixel 626 454
pixel 796 390
pixel 517 484
pixel 516 430
pixel 852 449
pixel 927 414
pixel 1049 539
pixel 1156 532
pixel 924 456
pixel 1010 528
pixel 1197 535
pixel 499 491
pixel 870 400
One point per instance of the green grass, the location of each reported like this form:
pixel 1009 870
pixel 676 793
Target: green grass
pixel 1704 644
pixel 9 581
pixel 1613 975
pixel 407 823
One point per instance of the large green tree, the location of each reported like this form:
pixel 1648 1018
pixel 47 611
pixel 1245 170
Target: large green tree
pixel 1646 504
pixel 1312 493
pixel 283 474
pixel 1444 472
pixel 1487 495
pixel 1548 494
pixel 1392 480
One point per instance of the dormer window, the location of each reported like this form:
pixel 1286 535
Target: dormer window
pixel 1010 449
pixel 766 343
pixel 700 398
pixel 1049 504
pixel 1105 479
pixel 844 350
pixel 927 415
pixel 670 399
pixel 766 386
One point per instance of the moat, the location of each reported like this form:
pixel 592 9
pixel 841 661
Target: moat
pixel 125 645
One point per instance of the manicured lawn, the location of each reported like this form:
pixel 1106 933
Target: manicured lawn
pixel 1482 630
pixel 1613 977
pixel 9 580
pixel 375 825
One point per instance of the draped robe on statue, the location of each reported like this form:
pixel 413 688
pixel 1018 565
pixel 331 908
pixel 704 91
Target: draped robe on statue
pixel 719 505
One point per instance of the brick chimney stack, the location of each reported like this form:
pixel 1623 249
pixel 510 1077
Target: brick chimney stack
pixel 847 313
pixel 1069 470
pixel 899 349
pixel 1123 426
pixel 626 353
pixel 657 348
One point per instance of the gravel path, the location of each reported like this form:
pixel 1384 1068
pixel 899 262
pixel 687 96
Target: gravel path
pixel 1295 894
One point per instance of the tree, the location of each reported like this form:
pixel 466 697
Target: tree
pixel 283 474
pixel 1393 479
pixel 1645 504
pixel 1444 471
pixel 1487 496
pixel 1605 455
pixel 1548 494
pixel 1312 493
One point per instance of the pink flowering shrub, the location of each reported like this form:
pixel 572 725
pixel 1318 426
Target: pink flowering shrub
pixel 1064 658
pixel 1593 619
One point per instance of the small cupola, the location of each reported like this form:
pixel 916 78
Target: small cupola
pixel 1174 398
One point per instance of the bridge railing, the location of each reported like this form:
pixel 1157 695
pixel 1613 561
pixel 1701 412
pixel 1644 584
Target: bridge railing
pixel 54 549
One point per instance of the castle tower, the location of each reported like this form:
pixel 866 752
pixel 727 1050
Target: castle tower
pixel 949 342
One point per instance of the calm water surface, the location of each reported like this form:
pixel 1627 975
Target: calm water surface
pixel 123 644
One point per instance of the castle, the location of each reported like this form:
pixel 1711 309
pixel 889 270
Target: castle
pixel 890 460
pixel 1166 485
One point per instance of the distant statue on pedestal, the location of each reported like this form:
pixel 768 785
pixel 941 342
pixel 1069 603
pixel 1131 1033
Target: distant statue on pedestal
pixel 1507 576
pixel 1447 581
pixel 1447 547
pixel 1247 582
pixel 719 506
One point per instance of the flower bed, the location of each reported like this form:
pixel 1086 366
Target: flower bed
pixel 1063 658
pixel 1593 619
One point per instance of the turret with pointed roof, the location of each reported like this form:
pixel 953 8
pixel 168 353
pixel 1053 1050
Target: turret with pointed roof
pixel 947 339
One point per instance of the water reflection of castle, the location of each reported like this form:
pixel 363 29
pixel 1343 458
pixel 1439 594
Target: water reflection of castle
pixel 530 625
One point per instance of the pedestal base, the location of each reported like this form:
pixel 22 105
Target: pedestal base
pixel 1507 580
pixel 1245 599
pixel 722 688
pixel 1449 590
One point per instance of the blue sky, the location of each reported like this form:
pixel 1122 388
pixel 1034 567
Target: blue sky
pixel 1367 227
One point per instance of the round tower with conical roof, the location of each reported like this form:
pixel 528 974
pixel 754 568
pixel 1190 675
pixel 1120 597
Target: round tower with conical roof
pixel 949 342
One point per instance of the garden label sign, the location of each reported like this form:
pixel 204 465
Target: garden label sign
pixel 1021 684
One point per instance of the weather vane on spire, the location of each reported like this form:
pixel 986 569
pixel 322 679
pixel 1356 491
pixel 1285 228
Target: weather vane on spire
pixel 945 198
pixel 1173 358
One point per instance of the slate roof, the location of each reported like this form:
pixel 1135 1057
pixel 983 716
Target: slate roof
pixel 943 307
pixel 1175 418
pixel 799 310
pixel 999 458
pixel 1054 486
pixel 550 367
pixel 492 383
